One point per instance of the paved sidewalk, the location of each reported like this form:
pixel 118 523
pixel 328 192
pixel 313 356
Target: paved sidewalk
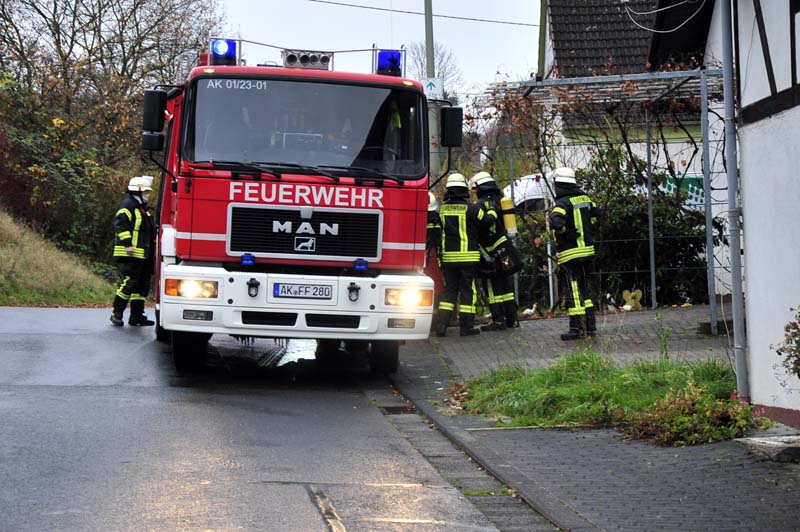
pixel 587 479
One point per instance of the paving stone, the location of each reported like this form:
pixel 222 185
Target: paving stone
pixel 590 480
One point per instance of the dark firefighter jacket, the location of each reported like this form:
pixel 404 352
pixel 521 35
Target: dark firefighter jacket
pixel 492 233
pixel 571 220
pixel 460 223
pixel 133 226
pixel 433 234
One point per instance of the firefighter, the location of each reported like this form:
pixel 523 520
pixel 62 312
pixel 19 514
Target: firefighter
pixel 499 285
pixel 133 251
pixel 572 220
pixel 433 244
pixel 460 256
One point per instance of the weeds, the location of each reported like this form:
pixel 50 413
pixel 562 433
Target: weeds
pixel 586 389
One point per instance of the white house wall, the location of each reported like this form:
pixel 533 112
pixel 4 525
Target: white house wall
pixel 754 82
pixel 770 195
pixel 768 169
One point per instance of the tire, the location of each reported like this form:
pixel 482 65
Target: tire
pixel 162 335
pixel 189 350
pixel 327 352
pixel 384 357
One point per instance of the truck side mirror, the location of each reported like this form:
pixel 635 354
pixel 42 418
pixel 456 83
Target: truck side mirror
pixel 152 141
pixel 155 103
pixel 452 120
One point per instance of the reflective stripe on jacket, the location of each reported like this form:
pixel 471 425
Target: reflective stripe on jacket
pixel 134 227
pixel 572 219
pixel 459 232
pixel 492 232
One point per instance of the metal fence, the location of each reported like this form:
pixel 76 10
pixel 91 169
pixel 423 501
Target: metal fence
pixel 661 136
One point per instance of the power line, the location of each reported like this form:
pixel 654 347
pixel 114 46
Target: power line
pixel 638 13
pixel 628 11
pixel 419 13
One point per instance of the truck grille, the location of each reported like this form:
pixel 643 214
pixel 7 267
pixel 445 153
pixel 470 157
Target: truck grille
pixel 326 234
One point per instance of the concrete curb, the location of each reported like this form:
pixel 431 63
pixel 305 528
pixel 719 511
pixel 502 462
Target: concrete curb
pixel 551 507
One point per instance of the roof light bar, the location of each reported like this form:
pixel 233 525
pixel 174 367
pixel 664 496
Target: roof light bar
pixel 307 59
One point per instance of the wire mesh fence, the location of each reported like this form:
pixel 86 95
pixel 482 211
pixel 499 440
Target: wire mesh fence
pixel 639 144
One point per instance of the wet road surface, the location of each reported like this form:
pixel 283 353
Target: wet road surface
pixel 99 432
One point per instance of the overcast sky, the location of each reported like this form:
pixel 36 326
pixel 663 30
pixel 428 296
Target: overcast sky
pixel 482 48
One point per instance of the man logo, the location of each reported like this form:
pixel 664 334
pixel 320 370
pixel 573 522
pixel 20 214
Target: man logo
pixel 305 243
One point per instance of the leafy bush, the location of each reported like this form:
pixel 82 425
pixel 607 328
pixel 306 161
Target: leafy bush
pixel 693 415
pixel 789 350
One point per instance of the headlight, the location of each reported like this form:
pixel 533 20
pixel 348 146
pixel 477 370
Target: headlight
pixel 191 288
pixel 408 297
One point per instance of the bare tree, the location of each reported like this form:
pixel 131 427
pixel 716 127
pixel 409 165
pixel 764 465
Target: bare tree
pixel 445 63
pixel 87 62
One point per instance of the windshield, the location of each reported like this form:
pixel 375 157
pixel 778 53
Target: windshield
pixel 306 123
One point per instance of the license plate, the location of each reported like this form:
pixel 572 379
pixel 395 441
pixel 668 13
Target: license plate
pixel 302 291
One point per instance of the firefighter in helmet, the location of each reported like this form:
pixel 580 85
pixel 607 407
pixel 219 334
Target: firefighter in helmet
pixel 460 256
pixel 499 285
pixel 433 249
pixel 572 219
pixel 134 247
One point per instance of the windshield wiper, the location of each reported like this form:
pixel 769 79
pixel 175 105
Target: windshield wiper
pixel 314 170
pixel 239 165
pixel 269 167
pixel 373 173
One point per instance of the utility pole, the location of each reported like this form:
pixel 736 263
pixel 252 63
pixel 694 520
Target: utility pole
pixel 430 69
pixel 434 107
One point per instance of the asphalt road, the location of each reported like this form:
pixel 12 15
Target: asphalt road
pixel 98 432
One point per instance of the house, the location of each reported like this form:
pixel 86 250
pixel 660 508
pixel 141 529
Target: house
pixel 609 37
pixel 765 44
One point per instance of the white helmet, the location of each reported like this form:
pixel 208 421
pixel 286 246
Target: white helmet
pixel 433 204
pixel 565 175
pixel 456 180
pixel 140 183
pixel 479 179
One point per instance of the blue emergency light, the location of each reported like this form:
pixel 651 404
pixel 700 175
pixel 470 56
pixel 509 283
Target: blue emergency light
pixel 390 63
pixel 248 259
pixel 360 265
pixel 223 52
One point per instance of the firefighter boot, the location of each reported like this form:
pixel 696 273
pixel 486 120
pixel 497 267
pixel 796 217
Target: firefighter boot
pixel 575 329
pixel 467 325
pixel 494 326
pixel 440 325
pixel 591 322
pixel 512 322
pixel 498 320
pixel 116 314
pixel 137 314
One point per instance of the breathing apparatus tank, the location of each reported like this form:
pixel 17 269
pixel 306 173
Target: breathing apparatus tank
pixel 509 216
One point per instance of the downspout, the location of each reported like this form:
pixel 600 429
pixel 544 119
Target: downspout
pixel 734 211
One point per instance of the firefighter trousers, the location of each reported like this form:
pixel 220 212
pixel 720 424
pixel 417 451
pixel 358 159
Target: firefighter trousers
pixel 459 285
pixel 500 293
pixel 134 287
pixel 576 278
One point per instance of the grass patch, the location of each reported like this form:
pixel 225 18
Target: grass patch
pixel 585 388
pixel 34 272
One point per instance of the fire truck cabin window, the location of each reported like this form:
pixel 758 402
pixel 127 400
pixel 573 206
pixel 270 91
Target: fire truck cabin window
pixel 318 124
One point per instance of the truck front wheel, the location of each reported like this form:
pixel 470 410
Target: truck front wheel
pixel 384 356
pixel 189 350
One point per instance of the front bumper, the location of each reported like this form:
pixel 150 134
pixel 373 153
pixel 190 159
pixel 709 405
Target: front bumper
pixel 356 308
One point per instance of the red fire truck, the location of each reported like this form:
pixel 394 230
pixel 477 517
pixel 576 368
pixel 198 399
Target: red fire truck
pixel 292 205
